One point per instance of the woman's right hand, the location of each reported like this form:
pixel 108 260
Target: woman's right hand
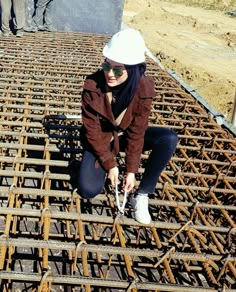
pixel 113 175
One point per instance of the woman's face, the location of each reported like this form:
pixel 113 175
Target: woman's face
pixel 115 73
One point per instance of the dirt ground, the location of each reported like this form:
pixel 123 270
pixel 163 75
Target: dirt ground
pixel 196 39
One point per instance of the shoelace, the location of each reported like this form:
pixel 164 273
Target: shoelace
pixel 119 206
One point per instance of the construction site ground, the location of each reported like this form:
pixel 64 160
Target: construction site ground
pixel 196 39
pixel 51 239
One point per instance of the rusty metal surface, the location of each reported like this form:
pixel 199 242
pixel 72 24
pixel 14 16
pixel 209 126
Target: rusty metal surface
pixel 50 239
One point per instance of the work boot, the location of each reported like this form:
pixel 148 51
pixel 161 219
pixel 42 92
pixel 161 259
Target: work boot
pixel 31 29
pixel 19 33
pixel 5 33
pixel 139 203
pixel 48 28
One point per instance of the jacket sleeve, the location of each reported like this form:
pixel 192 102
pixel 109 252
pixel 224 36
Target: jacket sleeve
pixel 99 141
pixel 135 134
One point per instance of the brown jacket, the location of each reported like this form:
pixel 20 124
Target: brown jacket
pixel 100 126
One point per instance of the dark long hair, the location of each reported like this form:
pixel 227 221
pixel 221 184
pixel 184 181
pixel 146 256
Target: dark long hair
pixel 124 93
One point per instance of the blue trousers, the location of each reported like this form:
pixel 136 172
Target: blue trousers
pixel 162 143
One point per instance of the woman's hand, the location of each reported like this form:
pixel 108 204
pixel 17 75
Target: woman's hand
pixel 129 182
pixel 113 175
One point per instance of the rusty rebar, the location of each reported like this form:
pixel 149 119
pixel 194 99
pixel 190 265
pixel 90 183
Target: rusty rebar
pixel 49 236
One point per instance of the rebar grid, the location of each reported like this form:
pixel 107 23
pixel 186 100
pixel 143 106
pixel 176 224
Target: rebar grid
pixel 51 239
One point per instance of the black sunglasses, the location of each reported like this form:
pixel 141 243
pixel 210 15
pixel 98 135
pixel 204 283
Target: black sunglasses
pixel 117 71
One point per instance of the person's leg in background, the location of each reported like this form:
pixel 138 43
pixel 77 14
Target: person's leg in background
pixel 6 13
pixel 19 11
pixel 162 143
pixel 29 12
pixel 48 16
pixel 38 19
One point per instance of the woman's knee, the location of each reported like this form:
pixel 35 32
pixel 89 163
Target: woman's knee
pixel 172 138
pixel 165 136
pixel 89 191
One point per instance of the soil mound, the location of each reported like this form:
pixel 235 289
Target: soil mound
pixel 197 43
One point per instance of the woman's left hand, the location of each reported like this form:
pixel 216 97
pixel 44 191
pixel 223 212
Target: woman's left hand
pixel 129 182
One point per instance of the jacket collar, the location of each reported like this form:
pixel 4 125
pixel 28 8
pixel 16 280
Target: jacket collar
pixel 97 83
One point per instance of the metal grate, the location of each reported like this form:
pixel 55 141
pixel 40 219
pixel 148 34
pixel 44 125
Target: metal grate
pixel 50 239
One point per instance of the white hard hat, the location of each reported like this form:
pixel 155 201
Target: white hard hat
pixel 126 47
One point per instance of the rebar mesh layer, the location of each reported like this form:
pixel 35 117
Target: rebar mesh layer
pixel 51 239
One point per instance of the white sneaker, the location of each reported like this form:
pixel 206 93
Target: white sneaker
pixel 140 206
pixel 19 33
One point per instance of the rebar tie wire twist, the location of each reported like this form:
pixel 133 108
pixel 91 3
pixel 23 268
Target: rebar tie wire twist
pixel 82 242
pixel 46 279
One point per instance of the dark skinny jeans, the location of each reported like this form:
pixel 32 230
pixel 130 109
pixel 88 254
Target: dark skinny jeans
pixel 162 143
